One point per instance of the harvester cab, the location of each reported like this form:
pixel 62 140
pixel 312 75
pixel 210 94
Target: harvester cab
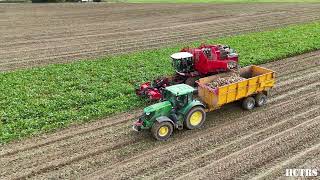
pixel 183 62
pixel 177 109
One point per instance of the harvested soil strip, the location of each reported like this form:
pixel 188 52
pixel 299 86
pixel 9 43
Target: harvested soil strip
pixel 312 154
pixel 106 29
pixel 262 152
pixel 230 138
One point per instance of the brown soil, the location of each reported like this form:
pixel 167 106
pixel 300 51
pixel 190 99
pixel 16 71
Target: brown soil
pixel 233 143
pixel 35 35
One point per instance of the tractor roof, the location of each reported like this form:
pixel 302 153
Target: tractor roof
pixel 180 89
pixel 181 55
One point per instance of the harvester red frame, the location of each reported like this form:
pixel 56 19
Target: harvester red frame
pixel 191 64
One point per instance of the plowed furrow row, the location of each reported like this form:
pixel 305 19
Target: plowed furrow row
pixel 119 44
pixel 238 144
pixel 180 28
pixel 82 46
pixel 70 133
pixel 72 56
pixel 46 46
pixel 311 154
pixel 124 25
pixel 262 152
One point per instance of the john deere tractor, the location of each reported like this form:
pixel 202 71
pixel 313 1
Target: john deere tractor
pixel 177 110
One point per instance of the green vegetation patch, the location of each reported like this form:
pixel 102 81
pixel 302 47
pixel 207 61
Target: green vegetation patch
pixel 41 99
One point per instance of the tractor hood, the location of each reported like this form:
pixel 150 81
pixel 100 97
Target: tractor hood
pixel 157 106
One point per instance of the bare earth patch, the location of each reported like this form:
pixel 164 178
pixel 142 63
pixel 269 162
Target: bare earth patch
pixel 36 35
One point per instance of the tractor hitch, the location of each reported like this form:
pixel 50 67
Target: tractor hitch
pixel 137 125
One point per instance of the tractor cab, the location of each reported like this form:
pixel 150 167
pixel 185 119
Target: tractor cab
pixel 183 62
pixel 179 95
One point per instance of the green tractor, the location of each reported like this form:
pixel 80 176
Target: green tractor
pixel 177 109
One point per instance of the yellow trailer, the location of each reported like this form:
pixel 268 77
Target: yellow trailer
pixel 252 90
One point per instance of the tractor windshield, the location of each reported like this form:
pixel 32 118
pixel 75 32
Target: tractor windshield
pixel 183 64
pixel 168 96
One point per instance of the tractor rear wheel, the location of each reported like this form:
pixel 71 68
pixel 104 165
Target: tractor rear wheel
pixel 261 99
pixel 248 103
pixel 162 131
pixel 195 118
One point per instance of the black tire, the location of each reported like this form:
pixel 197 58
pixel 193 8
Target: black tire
pixel 156 130
pixel 189 124
pixel 261 99
pixel 248 103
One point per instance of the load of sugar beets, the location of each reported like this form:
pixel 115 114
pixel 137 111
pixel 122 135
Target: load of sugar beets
pixel 215 71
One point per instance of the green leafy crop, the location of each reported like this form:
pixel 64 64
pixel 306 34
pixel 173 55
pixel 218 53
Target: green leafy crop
pixel 42 99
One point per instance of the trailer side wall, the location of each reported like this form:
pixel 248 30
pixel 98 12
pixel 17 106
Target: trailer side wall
pixel 258 79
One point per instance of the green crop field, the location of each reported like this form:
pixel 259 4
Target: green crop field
pixel 212 1
pixel 42 99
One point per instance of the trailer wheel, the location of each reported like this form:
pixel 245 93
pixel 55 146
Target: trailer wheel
pixel 195 118
pixel 162 131
pixel 248 103
pixel 261 99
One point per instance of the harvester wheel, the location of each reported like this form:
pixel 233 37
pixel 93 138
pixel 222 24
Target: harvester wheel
pixel 261 99
pixel 248 103
pixel 162 131
pixel 195 118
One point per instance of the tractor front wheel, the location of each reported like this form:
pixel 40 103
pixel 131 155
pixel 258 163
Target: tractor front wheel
pixel 162 131
pixel 195 118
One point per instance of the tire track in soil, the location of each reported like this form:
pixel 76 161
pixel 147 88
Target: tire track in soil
pixel 291 163
pixel 238 144
pixel 259 153
pixel 68 133
pixel 126 144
